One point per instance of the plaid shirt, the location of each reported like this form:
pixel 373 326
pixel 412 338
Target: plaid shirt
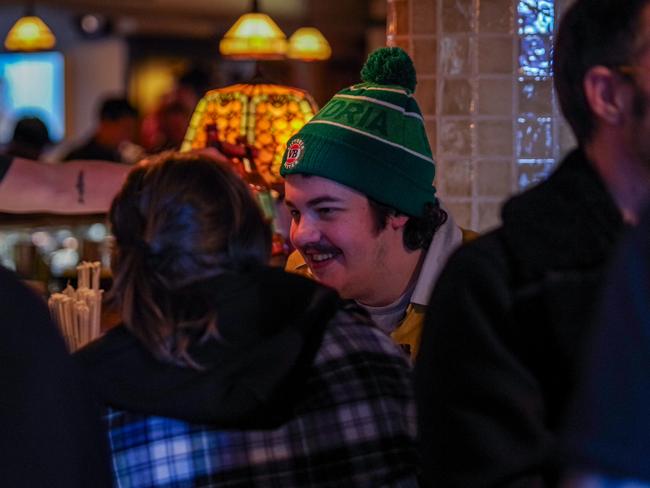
pixel 355 426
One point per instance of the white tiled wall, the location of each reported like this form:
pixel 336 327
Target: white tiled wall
pixel 486 95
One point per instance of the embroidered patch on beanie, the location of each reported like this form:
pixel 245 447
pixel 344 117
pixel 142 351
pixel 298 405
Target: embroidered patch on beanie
pixel 294 152
pixel 371 137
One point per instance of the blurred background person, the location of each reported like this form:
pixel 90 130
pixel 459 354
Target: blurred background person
pixel 229 371
pixel 172 119
pixel 165 127
pixel 114 137
pixel 29 140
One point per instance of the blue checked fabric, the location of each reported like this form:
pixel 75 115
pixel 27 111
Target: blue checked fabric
pixel 355 426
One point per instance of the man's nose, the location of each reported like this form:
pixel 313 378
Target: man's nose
pixel 304 232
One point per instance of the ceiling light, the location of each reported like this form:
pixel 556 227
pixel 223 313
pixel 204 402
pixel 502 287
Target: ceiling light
pixel 29 33
pixel 254 36
pixel 309 44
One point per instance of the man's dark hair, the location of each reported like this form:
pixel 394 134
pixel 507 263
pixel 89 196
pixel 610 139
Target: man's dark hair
pixel 116 108
pixel 418 231
pixel 592 33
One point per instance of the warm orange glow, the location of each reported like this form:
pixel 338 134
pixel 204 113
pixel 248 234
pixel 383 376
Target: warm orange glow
pixel 264 116
pixel 254 36
pixel 309 44
pixel 29 33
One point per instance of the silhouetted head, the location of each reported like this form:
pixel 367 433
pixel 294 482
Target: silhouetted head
pixel 29 139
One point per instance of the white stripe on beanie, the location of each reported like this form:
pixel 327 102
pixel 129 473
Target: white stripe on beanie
pixel 381 102
pixel 367 134
pixel 377 88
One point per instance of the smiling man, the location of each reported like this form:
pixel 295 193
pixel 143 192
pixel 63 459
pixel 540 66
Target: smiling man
pixel 359 186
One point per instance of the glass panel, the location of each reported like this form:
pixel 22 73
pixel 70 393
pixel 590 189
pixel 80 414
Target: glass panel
pixel 535 55
pixel 536 16
pixel 535 96
pixel 457 97
pixel 456 137
pixel 455 56
pixel 533 171
pixel 534 138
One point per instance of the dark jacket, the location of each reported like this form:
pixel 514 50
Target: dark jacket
pixel 50 434
pixel 504 331
pixel 93 150
pixel 609 427
pixel 298 390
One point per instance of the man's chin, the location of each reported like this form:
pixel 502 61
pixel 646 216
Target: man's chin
pixel 328 280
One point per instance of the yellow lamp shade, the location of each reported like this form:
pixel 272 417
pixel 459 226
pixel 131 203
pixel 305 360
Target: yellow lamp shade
pixel 263 116
pixel 29 33
pixel 254 36
pixel 309 44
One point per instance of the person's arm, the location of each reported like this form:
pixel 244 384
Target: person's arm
pixel 365 387
pixel 77 187
pixel 480 410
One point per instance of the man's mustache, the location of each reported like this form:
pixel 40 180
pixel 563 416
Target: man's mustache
pixel 319 248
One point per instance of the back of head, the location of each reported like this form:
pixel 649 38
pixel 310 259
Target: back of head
pixel 178 221
pixel 29 138
pixel 196 79
pixel 592 33
pixel 116 108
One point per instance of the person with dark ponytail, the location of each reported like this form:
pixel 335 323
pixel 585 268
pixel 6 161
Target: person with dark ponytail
pixel 227 372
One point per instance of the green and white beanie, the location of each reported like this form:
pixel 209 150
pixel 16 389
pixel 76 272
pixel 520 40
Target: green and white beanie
pixel 371 137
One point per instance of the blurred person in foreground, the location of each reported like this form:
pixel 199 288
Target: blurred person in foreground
pixel 228 372
pixel 608 432
pixel 113 139
pixel 51 432
pixel 512 311
pixel 359 186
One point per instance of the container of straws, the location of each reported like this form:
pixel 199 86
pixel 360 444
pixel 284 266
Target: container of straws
pixel 78 312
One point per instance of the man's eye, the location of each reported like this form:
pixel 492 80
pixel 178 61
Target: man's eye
pixel 295 215
pixel 325 211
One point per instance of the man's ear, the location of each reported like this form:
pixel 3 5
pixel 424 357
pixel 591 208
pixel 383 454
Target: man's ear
pixel 397 221
pixel 606 93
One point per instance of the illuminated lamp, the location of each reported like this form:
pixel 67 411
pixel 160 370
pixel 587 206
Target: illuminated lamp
pixel 308 44
pixel 29 33
pixel 262 116
pixel 254 36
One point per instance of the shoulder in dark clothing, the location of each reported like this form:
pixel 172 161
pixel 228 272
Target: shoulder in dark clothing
pixel 5 164
pixel 51 434
pixel 505 325
pixel 92 150
pixel 609 429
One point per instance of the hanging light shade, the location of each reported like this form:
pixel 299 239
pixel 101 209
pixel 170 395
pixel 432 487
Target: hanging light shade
pixel 264 116
pixel 29 33
pixel 254 36
pixel 309 44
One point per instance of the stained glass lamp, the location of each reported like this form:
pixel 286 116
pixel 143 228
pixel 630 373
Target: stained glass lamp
pixel 262 115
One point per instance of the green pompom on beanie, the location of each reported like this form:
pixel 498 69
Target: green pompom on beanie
pixel 371 137
pixel 390 66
